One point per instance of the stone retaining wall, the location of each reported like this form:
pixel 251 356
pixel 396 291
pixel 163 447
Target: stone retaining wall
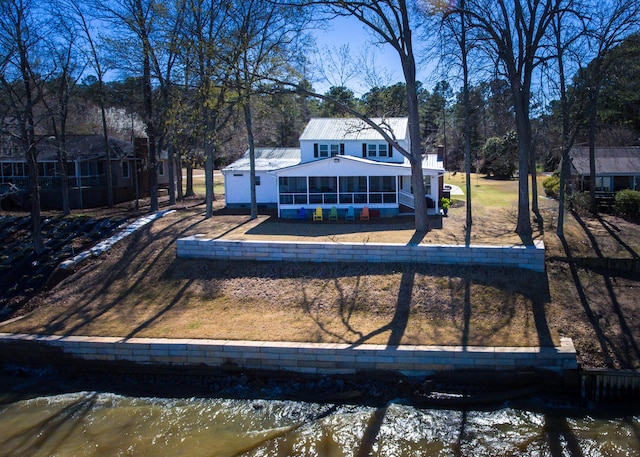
pixel 312 358
pixel 528 257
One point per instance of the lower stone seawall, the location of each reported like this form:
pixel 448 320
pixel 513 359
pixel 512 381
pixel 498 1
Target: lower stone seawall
pixel 310 358
pixel 527 257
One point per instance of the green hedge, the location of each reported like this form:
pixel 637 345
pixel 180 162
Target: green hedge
pixel 627 203
pixel 552 185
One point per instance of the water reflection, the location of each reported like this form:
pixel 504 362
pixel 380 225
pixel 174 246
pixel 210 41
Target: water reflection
pixel 97 423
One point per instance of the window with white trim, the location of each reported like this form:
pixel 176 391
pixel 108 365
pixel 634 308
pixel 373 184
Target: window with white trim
pixel 427 184
pixel 377 150
pixel 326 150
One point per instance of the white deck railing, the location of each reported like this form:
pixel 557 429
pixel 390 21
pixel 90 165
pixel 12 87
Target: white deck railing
pixel 406 199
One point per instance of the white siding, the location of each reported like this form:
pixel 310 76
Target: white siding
pixel 342 166
pixel 351 148
pixel 238 189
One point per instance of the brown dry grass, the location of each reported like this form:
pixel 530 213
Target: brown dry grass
pixel 141 289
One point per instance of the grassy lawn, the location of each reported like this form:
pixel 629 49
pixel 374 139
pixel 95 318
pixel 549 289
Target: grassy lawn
pixel 198 182
pixel 489 192
pixel 141 289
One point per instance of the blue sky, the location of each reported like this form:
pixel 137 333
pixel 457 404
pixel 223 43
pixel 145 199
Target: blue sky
pixel 349 31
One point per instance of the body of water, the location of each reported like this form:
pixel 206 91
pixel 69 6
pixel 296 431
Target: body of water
pixel 49 415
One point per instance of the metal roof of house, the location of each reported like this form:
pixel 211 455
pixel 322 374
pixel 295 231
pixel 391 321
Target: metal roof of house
pixel 328 129
pixel 431 161
pixel 623 160
pixel 267 159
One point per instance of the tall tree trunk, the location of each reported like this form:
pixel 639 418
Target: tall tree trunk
pixel 534 187
pixel 180 195
pixel 593 127
pixel 189 187
pixel 208 178
pixel 61 156
pixel 107 148
pixel 566 144
pixel 27 126
pixel 209 151
pixel 523 127
pixel 252 157
pixel 172 173
pixel 62 162
pixel 564 168
pixel 467 122
pixel 34 190
pixel 151 134
pixel 417 174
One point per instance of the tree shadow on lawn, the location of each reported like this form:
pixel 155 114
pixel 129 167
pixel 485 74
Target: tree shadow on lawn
pixel 134 263
pixel 624 348
pixel 508 284
pixel 286 227
pixel 533 286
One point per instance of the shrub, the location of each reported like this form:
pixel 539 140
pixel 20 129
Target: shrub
pixel 580 202
pixel 552 185
pixel 445 203
pixel 627 203
pixel 500 155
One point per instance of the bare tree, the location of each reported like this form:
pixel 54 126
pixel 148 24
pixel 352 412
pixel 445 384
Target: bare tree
pixel 392 22
pixel 337 65
pixel 265 34
pixel 515 33
pixel 21 35
pixel 610 22
pixel 164 57
pixel 567 29
pixel 136 20
pixel 67 71
pixel 458 29
pixel 205 47
pixel 77 12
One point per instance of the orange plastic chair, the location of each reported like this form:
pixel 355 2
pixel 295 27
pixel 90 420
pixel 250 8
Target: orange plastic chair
pixel 317 216
pixel 364 215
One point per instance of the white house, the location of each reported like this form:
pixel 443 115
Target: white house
pixel 341 163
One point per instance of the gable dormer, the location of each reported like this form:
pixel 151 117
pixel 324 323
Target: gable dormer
pixel 328 137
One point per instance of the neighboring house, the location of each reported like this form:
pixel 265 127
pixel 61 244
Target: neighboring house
pixel 86 169
pixel 341 163
pixel 617 168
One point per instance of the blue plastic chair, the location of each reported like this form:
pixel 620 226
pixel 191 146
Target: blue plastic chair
pixel 351 215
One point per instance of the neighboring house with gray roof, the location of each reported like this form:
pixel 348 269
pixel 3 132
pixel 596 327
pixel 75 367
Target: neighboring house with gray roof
pixel 617 168
pixel 86 168
pixel 341 163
